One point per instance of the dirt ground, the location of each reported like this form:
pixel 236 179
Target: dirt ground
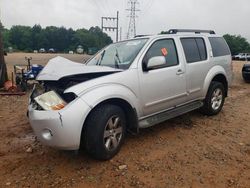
pixel 189 151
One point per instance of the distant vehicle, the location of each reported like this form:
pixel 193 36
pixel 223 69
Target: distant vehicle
pixel 5 53
pixel 35 51
pixel 10 49
pixel 42 50
pixel 52 50
pixel 127 86
pixel 242 56
pixel 246 72
pixel 79 49
pixel 245 57
pixel 92 50
pixel 237 57
pixel 71 52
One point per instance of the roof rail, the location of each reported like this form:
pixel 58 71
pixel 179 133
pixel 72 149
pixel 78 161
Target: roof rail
pixel 196 31
pixel 137 36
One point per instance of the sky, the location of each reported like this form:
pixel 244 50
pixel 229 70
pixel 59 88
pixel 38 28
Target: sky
pixel 223 16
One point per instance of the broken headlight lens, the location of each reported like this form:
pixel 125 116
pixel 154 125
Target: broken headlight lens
pixel 50 101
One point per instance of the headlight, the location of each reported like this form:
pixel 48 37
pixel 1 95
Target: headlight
pixel 50 101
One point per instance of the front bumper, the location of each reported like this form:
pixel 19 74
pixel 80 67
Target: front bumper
pixel 60 129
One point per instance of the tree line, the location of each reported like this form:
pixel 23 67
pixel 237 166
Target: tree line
pixel 237 44
pixel 28 39
pixel 25 38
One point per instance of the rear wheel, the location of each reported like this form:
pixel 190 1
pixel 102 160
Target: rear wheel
pixel 214 100
pixel 104 131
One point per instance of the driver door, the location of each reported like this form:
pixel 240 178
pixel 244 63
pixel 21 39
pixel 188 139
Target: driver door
pixel 162 87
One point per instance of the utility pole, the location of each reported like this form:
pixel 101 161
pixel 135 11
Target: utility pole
pixel 111 28
pixel 132 21
pixel 3 68
pixel 120 33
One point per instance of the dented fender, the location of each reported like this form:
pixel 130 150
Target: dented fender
pixel 99 93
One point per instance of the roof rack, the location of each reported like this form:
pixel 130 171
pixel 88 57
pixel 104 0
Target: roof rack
pixel 174 31
pixel 137 36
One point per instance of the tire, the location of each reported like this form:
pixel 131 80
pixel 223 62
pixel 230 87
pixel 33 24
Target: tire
pixel 214 100
pixel 104 131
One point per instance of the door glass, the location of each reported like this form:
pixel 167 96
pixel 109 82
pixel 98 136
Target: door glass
pixel 194 49
pixel 191 50
pixel 202 48
pixel 166 48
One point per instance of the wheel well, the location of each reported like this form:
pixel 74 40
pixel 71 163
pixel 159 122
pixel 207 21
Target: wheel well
pixel 222 79
pixel 129 111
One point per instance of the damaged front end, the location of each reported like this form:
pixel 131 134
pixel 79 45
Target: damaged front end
pixel 57 116
pixel 59 75
pixel 53 92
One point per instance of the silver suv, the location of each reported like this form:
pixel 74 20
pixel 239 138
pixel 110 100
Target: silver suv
pixel 128 86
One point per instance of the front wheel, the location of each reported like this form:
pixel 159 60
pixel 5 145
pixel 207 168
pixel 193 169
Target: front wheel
pixel 214 100
pixel 104 131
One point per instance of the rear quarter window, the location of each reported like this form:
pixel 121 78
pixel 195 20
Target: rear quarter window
pixel 219 46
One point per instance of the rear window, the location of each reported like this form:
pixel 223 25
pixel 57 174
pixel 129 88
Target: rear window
pixel 219 46
pixel 194 49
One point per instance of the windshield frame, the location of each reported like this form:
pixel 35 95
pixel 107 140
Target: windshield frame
pixel 103 50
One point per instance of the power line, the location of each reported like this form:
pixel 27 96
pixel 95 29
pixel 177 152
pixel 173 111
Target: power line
pixel 132 18
pixel 148 6
pixel 98 5
pixel 108 7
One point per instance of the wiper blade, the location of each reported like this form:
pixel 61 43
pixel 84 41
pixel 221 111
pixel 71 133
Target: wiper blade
pixel 99 62
pixel 118 58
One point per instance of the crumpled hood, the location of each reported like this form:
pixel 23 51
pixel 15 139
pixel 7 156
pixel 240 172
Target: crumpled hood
pixel 60 67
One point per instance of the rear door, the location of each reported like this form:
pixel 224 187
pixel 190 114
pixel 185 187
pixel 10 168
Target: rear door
pixel 197 64
pixel 163 87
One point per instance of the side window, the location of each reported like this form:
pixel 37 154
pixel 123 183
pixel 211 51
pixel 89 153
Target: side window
pixel 219 46
pixel 166 48
pixel 194 49
pixel 202 48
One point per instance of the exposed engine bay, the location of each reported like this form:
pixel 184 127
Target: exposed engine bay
pixel 61 74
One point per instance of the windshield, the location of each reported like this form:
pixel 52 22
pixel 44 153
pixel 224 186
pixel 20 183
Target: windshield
pixel 118 55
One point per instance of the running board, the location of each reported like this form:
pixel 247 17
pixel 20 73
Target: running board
pixel 163 116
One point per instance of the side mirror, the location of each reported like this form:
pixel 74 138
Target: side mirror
pixel 156 62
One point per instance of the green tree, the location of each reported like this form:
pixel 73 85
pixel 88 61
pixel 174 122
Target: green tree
pixel 37 37
pixel 25 38
pixel 237 44
pixel 101 39
pixel 20 37
pixel 3 68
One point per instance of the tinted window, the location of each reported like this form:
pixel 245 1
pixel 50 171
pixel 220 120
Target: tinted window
pixel 202 48
pixel 219 46
pixel 166 48
pixel 194 49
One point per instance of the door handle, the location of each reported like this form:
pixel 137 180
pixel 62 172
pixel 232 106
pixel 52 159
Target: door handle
pixel 179 72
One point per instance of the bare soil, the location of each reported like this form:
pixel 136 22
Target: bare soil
pixel 189 151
